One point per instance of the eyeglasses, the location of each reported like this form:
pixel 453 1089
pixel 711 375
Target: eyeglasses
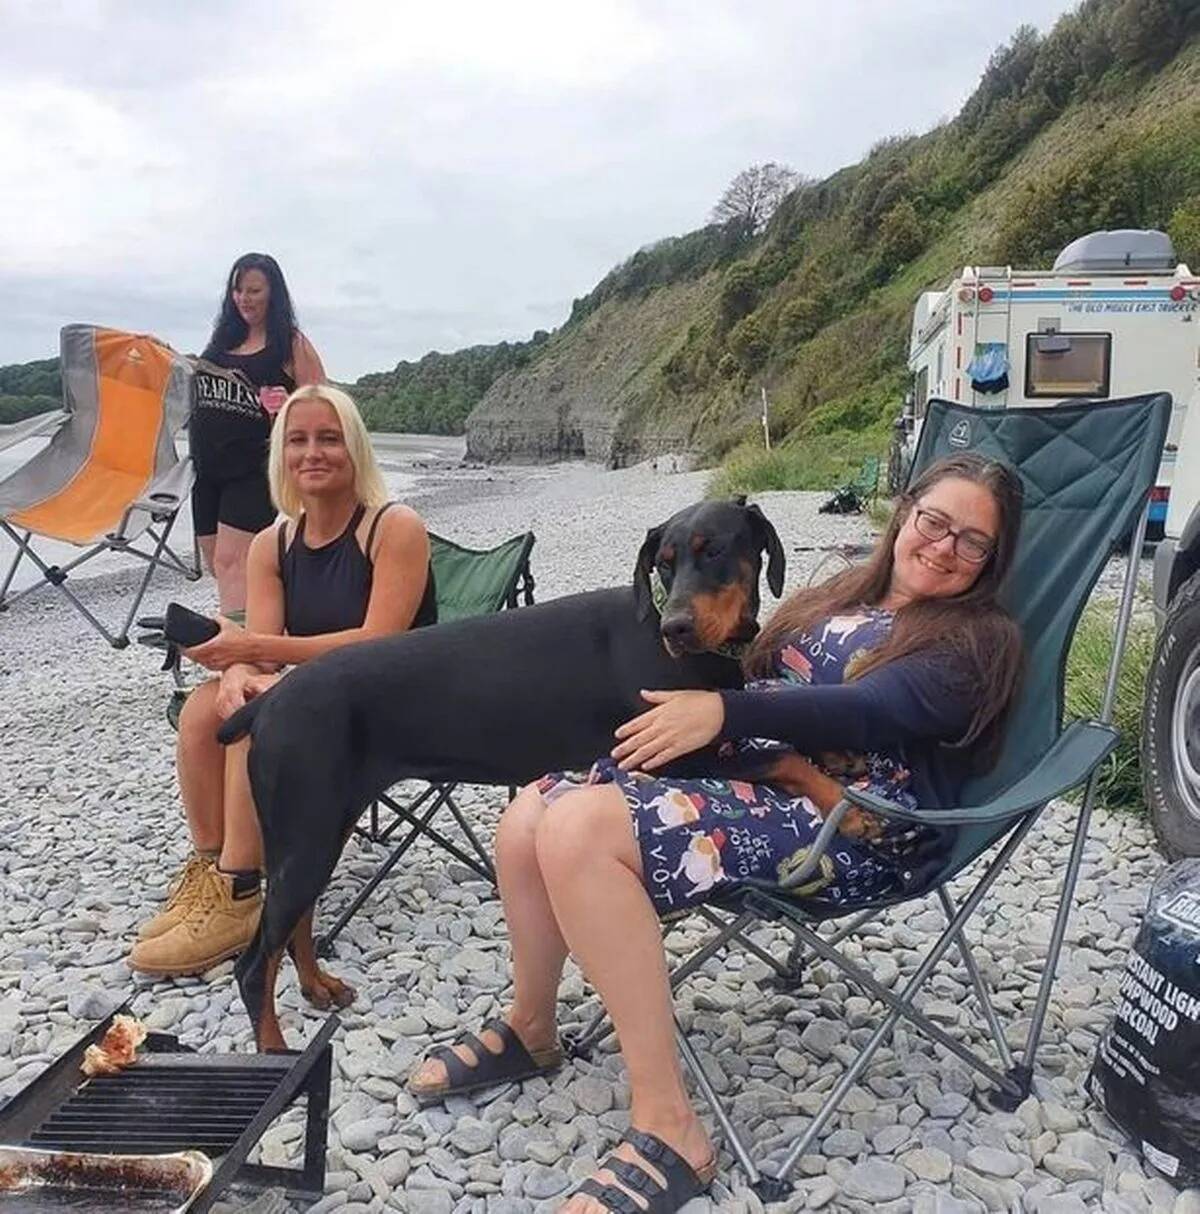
pixel 971 546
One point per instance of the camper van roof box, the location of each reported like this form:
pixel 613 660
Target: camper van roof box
pixel 1125 249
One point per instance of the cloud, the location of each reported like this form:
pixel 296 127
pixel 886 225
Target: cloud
pixel 428 176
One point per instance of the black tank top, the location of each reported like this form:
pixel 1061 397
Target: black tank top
pixel 229 430
pixel 263 368
pixel 327 589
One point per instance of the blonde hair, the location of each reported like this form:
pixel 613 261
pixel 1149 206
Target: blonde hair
pixel 368 480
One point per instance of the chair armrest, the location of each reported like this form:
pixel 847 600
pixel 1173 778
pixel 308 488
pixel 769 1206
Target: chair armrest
pixel 31 427
pixel 167 494
pixel 1076 753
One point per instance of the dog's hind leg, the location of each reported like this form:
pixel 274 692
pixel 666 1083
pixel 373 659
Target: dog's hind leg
pixel 303 778
pixel 320 988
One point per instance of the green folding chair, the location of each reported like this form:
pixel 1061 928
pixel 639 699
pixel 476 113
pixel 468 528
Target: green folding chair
pixel 1087 471
pixel 469 582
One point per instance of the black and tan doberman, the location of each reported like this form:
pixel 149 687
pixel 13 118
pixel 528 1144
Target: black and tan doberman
pixel 498 699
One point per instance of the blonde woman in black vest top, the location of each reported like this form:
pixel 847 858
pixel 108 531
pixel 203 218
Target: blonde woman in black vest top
pixel 344 565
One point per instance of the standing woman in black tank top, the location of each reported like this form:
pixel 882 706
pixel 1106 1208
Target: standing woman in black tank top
pixel 344 565
pixel 256 336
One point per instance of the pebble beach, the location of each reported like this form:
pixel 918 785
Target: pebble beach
pixel 93 831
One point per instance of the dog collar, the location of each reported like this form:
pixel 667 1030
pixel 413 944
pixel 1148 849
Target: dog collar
pixel 658 595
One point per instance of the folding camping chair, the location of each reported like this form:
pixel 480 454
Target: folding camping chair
pixel 110 472
pixel 469 582
pixel 1087 470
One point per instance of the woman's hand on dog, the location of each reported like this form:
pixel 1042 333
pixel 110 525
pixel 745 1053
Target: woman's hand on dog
pixel 229 647
pixel 680 722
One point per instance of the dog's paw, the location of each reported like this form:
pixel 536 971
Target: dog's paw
pixel 327 992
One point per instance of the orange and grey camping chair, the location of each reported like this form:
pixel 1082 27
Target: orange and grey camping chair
pixel 110 473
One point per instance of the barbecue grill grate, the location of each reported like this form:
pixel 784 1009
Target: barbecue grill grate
pixel 173 1099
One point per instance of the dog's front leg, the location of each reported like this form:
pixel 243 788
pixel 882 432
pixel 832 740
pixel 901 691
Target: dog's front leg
pixel 796 775
pixel 320 988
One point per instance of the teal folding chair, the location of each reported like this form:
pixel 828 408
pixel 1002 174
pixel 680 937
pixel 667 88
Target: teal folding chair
pixel 1087 471
pixel 468 582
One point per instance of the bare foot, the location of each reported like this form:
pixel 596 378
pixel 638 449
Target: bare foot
pixel 431 1076
pixel 688 1138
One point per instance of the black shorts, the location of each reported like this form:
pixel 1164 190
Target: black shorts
pixel 244 503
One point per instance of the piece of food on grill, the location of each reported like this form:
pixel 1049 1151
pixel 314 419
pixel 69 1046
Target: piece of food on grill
pixel 118 1048
pixel 97 1062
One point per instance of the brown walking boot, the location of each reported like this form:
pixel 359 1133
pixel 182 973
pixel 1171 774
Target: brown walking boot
pixel 217 926
pixel 182 894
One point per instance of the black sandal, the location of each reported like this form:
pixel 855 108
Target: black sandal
pixel 683 1181
pixel 512 1064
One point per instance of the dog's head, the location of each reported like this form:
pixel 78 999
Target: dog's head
pixel 708 558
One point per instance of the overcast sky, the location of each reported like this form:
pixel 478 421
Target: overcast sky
pixel 429 175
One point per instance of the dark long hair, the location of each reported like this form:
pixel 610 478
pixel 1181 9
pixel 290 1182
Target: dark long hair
pixel 973 624
pixel 230 330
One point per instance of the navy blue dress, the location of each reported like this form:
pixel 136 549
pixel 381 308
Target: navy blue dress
pixel 699 837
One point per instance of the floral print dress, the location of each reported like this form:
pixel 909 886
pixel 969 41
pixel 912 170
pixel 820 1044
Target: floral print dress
pixel 700 837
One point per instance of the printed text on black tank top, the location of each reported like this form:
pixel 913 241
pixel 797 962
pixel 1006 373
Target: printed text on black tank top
pixel 227 393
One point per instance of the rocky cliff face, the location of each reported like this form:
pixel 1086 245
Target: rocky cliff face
pixel 594 392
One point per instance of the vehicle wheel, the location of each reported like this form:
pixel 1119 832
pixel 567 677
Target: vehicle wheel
pixel 1171 727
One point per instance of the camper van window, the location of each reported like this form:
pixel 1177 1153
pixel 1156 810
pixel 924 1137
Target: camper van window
pixel 937 379
pixel 1067 364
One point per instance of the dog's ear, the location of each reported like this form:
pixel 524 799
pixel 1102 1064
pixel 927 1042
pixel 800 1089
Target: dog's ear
pixel 768 540
pixel 642 597
pixel 739 499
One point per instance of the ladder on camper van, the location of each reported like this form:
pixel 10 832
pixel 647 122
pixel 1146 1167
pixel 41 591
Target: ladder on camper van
pixel 991 321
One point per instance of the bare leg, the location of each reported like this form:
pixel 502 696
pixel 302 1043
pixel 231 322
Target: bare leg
pixel 592 869
pixel 208 548
pixel 200 762
pixel 319 987
pixel 241 849
pixel 229 565
pixel 538 949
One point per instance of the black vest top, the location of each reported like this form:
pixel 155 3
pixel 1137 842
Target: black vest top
pixel 263 368
pixel 327 589
pixel 229 431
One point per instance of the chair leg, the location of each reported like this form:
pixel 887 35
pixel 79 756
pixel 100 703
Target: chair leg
pixel 787 973
pixel 733 1139
pixel 484 858
pixel 122 638
pixel 982 994
pixel 325 940
pixel 12 569
pixel 432 800
pixel 1021 1074
pixel 898 1005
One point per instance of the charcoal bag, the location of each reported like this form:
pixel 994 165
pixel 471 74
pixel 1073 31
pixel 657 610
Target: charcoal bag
pixel 1146 1072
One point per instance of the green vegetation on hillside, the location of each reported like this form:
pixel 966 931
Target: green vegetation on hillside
pixel 1095 125
pixel 29 388
pixel 434 395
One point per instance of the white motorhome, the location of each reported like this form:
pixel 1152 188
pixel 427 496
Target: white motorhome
pixel 1116 316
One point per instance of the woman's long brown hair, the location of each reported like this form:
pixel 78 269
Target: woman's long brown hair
pixel 972 625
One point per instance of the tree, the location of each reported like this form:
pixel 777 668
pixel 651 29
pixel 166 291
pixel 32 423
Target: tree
pixel 1184 229
pixel 1144 32
pixel 752 197
pixel 901 235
